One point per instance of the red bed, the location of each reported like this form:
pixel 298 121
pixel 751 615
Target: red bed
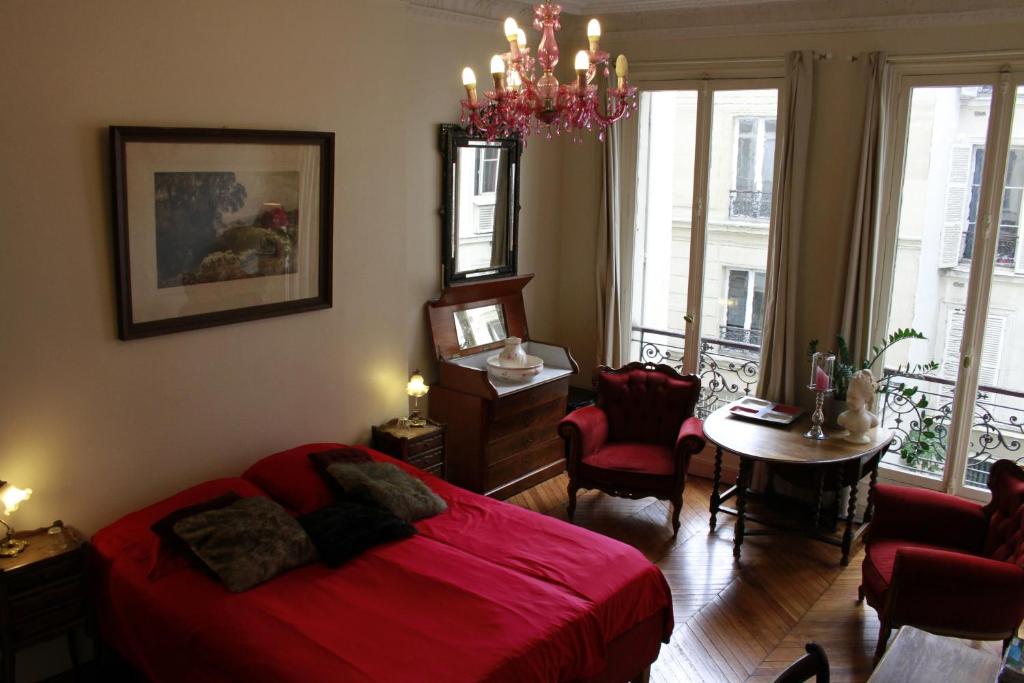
pixel 484 592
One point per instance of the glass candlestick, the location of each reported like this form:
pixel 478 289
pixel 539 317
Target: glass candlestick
pixel 822 365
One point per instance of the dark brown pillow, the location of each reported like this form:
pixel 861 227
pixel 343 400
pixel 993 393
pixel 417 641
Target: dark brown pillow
pixel 324 459
pixel 171 545
pixel 248 542
pixel 343 531
pixel 383 483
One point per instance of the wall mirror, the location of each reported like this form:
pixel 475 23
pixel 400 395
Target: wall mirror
pixel 481 325
pixel 480 211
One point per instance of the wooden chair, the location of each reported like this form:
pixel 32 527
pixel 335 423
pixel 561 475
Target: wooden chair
pixel 813 664
pixel 639 438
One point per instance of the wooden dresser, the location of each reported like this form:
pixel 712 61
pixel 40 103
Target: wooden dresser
pixel 502 438
pixel 421 447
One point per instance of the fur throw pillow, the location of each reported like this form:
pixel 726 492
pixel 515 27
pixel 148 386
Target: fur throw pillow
pixel 383 483
pixel 247 542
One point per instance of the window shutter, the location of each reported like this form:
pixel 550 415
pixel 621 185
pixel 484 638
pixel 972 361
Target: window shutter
pixel 991 348
pixel 955 215
pixel 484 219
pixel 954 339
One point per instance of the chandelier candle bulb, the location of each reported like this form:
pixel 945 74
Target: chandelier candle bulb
pixel 469 80
pixel 515 82
pixel 511 29
pixel 582 64
pixel 622 70
pixel 498 73
pixel 521 38
pixel 594 33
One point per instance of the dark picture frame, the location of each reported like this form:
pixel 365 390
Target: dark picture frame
pixel 214 226
pixel 453 138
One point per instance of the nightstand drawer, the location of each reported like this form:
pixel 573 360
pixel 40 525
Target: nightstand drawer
pixel 45 572
pixel 436 470
pixel 419 446
pixel 428 459
pixel 30 603
pixel 54 620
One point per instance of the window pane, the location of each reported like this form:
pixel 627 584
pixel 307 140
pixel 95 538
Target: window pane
pixel 938 205
pixel 737 301
pixel 998 420
pixel 736 245
pixel 668 135
pixel 768 161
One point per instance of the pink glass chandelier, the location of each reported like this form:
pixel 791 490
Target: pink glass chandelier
pixel 523 102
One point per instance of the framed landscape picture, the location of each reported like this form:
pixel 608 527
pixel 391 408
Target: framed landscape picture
pixel 215 226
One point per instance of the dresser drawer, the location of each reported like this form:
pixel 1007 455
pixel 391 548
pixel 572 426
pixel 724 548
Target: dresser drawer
pixel 427 459
pixel 544 453
pixel 521 441
pixel 549 413
pixel 518 402
pixel 436 470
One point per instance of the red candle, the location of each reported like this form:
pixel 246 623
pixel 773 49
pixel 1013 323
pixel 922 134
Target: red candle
pixel 821 382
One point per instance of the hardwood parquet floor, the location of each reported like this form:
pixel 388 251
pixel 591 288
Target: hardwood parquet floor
pixel 734 622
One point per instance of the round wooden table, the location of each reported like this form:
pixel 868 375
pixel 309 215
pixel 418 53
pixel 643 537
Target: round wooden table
pixel 753 441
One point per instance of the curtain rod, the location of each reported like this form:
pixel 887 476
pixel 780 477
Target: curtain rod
pixel 1011 55
pixel 696 63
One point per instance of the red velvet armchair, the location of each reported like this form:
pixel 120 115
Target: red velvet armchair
pixel 637 441
pixel 947 565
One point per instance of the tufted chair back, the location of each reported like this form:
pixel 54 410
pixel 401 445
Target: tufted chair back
pixel 645 403
pixel 1005 538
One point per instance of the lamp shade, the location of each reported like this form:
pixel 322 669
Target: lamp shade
pixel 11 496
pixel 416 386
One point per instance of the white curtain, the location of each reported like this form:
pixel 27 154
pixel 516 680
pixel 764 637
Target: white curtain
pixel 612 316
pixel 782 362
pixel 854 305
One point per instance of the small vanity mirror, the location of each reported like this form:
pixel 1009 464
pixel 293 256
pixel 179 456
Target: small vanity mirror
pixel 479 326
pixel 480 213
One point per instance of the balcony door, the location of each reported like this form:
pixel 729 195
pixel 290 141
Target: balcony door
pixel 705 167
pixel 955 263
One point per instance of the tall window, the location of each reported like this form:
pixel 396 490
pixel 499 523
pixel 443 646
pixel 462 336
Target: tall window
pixel 751 196
pixel 965 293
pixel 487 170
pixel 701 251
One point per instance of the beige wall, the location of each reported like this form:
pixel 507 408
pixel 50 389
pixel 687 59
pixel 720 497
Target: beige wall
pixel 833 158
pixel 98 426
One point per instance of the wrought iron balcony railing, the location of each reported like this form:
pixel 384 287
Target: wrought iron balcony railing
pixel 728 370
pixel 750 204
pixel 922 429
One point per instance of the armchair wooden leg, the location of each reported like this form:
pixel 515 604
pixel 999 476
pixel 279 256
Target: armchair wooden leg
pixel 883 640
pixel 860 594
pixel 677 508
pixel 573 488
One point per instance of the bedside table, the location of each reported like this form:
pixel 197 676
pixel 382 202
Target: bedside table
pixel 421 447
pixel 42 593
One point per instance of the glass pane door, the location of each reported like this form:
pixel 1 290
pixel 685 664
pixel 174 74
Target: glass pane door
pixel 939 203
pixel 739 199
pixel 997 426
pixel 667 153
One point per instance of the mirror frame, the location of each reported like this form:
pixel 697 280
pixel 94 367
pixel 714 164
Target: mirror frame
pixel 453 136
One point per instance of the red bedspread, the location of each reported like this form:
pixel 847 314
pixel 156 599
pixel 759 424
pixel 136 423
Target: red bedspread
pixel 485 592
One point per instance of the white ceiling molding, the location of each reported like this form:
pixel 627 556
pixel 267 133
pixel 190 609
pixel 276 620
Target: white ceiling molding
pixel 655 19
pixel 839 25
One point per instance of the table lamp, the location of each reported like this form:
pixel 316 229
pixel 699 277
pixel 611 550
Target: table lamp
pixel 416 388
pixel 11 496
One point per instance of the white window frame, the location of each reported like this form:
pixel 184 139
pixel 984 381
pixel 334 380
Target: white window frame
pixel 748 313
pixel 652 78
pixel 1005 72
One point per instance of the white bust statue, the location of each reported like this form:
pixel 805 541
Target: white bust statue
pixel 857 419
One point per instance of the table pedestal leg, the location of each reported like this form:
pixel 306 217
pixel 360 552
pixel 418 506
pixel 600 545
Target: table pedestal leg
pixel 716 499
pixel 741 504
pixel 851 510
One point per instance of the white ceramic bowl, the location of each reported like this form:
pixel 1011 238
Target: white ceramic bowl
pixel 514 372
